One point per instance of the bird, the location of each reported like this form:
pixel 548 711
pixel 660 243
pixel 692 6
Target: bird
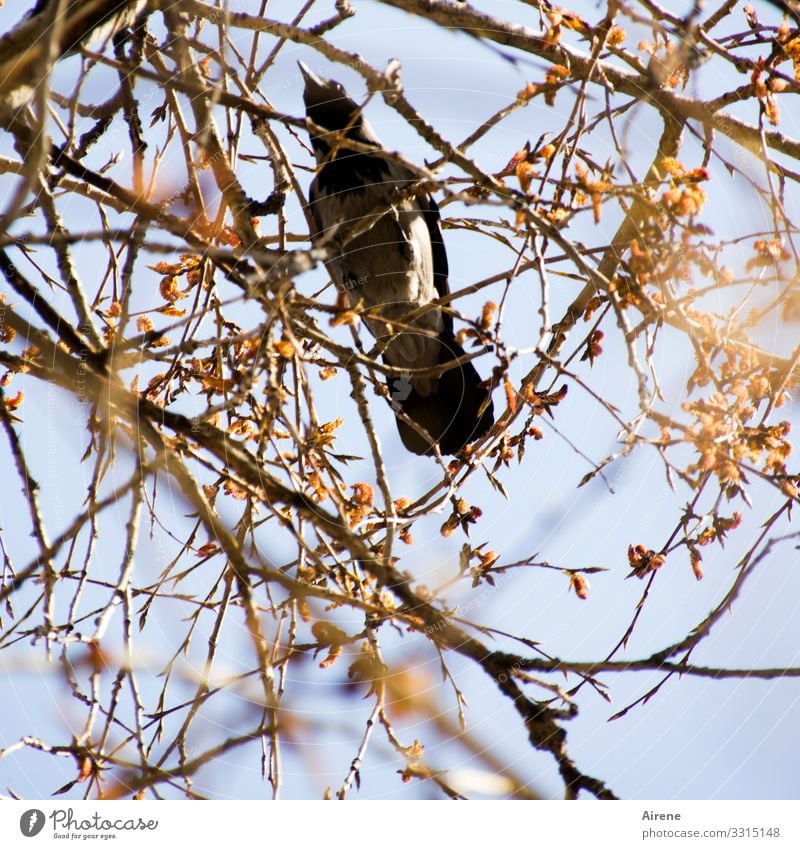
pixel 394 271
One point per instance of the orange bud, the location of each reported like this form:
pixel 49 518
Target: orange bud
pixel 581 586
pixel 450 525
pixel 169 289
pixel 363 494
pixel 488 314
pixel 285 348
pixel 511 395
pixel 547 151
pixel 697 563
pixel 14 402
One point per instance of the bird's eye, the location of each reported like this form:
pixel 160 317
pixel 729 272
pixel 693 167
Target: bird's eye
pixel 339 87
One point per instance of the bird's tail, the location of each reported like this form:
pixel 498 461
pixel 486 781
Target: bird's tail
pixel 458 411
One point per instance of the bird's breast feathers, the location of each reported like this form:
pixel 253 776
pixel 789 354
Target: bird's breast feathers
pixel 388 268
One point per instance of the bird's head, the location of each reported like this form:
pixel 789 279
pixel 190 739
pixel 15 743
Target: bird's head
pixel 329 107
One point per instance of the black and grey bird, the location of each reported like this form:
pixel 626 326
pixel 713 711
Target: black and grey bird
pixel 394 270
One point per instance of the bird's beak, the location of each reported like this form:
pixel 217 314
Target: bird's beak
pixel 312 81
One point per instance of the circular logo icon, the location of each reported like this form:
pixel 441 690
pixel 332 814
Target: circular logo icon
pixel 31 822
pixel 401 389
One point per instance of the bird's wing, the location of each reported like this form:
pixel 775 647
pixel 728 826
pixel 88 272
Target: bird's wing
pixel 430 210
pixel 426 205
pixel 321 225
pixel 313 208
pixel 403 254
